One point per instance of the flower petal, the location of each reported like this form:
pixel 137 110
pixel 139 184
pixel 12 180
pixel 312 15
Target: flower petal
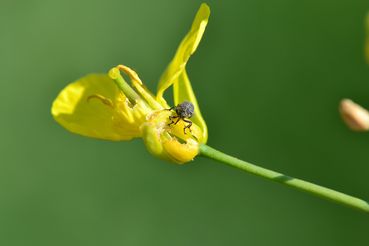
pixel 176 75
pixel 185 50
pixel 93 106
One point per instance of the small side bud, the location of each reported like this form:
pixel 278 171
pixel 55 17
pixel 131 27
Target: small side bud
pixel 355 116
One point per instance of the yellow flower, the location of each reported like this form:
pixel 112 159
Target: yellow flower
pixel 105 106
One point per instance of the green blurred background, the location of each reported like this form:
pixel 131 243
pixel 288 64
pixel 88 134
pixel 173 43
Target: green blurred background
pixel 268 75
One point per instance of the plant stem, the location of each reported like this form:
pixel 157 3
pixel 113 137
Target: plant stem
pixel 286 180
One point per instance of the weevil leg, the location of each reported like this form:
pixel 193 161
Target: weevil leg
pixel 179 118
pixel 172 121
pixel 188 126
pixel 169 109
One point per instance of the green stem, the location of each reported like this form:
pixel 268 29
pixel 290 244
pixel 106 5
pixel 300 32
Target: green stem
pixel 286 180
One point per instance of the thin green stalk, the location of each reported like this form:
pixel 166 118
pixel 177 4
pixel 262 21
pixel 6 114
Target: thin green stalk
pixel 286 180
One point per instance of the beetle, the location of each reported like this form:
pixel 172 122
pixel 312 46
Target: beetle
pixel 184 111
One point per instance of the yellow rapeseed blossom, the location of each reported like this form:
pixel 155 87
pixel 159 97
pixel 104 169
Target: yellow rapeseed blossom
pixel 105 106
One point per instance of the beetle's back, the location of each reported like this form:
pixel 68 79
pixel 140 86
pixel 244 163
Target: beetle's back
pixel 185 109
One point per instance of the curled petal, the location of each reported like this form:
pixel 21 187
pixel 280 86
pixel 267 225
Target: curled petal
pixel 186 48
pixel 93 106
pixel 176 75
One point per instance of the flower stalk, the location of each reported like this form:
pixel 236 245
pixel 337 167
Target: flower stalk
pixel 298 184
